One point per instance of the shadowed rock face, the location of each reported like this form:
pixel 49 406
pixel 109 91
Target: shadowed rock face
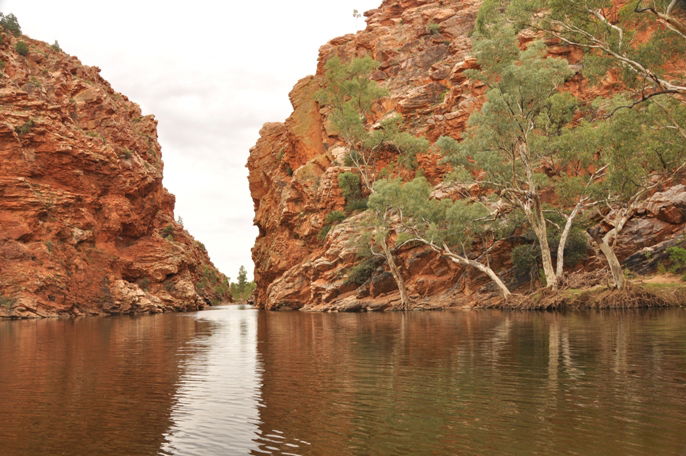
pixel 86 226
pixel 294 167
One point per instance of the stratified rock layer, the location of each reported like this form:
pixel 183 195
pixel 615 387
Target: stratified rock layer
pixel 294 168
pixel 86 226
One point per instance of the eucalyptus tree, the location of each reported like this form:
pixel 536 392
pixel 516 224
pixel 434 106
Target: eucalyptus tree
pixel 643 148
pixel 453 229
pixel 350 94
pixel 515 143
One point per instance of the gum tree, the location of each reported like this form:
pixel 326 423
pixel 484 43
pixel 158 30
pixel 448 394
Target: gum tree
pixel 514 142
pixel 350 94
pixel 450 228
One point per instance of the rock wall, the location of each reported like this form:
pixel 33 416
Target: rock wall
pixel 86 227
pixel 294 167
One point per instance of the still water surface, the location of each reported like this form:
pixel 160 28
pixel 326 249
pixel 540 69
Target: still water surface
pixel 233 381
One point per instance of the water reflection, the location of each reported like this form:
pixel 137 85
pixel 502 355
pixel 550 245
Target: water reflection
pixel 237 382
pixel 90 386
pixel 216 402
pixel 473 383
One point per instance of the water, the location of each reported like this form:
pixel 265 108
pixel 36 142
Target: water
pixel 239 382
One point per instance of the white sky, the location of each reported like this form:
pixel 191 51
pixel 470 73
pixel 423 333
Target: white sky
pixel 212 72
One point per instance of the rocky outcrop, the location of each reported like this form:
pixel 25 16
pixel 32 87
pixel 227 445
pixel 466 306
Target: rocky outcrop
pixel 86 227
pixel 424 49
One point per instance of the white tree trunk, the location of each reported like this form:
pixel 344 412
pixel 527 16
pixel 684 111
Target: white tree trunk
pixel 613 262
pixel 464 261
pixel 538 225
pixel 563 241
pixel 397 276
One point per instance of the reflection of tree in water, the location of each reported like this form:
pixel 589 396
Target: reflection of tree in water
pixel 478 382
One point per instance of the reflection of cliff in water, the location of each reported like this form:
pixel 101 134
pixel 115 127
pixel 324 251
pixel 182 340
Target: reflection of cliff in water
pixel 94 386
pixel 473 383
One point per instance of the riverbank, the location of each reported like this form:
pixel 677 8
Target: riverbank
pixel 657 291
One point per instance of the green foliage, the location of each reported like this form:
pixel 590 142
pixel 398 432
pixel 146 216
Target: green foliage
pixel 201 246
pixel 56 46
pixel 2 64
pixel 350 184
pixel 332 218
pixel 22 48
pixel 677 262
pixel 10 23
pixel 455 223
pixel 610 42
pixel 126 154
pixel 526 258
pixel 25 128
pixel 526 262
pixel 362 272
pixel 636 144
pixel 356 204
pixel 324 232
pixel 168 232
pixel 390 134
pixel 351 94
pixel 433 28
pixel 242 289
pixel 213 285
pixel 335 217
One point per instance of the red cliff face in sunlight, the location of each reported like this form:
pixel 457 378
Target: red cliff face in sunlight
pixel 294 166
pixel 86 226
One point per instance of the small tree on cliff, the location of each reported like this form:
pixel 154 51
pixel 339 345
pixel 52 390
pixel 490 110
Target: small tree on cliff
pixel 514 140
pixel 450 228
pixel 350 94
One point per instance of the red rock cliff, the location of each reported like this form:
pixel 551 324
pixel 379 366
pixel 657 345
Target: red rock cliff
pixel 294 166
pixel 86 226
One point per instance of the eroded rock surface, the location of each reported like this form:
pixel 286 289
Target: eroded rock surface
pixel 86 226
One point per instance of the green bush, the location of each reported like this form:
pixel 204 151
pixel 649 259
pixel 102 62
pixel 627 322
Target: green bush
pixel 335 217
pixel 677 260
pixel 332 218
pixel 22 48
pixel 168 232
pixel 56 46
pixel 433 28
pixel 677 256
pixel 324 232
pixel 350 185
pixel 10 23
pixel 357 204
pixel 362 272
pixel 525 261
pixel 25 128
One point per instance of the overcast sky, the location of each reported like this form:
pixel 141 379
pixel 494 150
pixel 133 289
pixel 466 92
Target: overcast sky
pixel 212 72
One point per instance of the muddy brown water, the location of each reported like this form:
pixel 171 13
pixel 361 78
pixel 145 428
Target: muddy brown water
pixel 233 381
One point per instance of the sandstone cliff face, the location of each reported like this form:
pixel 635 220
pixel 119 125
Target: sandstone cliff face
pixel 294 167
pixel 86 226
